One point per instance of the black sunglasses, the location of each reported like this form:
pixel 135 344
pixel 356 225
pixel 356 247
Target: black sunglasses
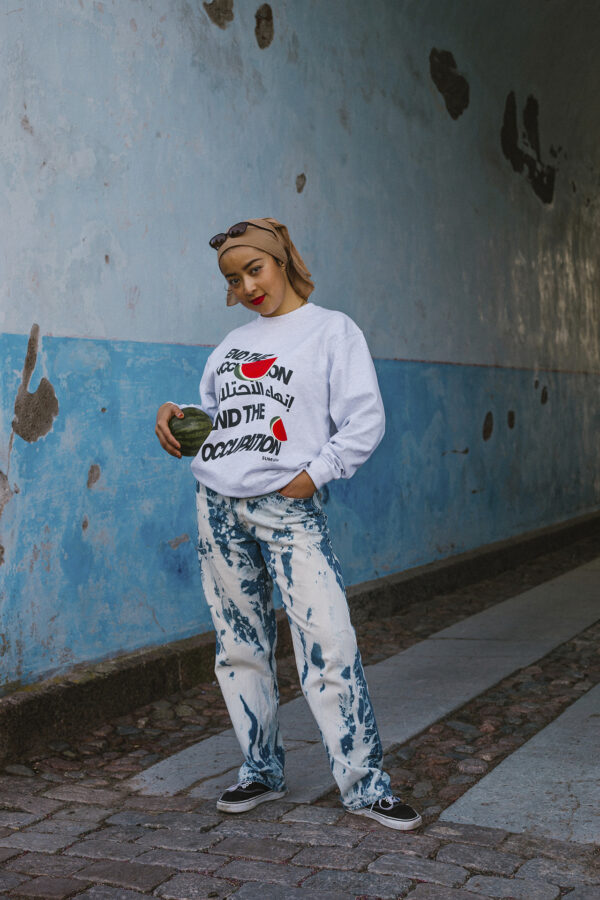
pixel 235 231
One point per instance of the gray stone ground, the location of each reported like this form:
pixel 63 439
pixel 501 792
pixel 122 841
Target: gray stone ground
pixel 70 828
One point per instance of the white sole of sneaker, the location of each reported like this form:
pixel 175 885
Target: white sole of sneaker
pixel 245 805
pixel 397 824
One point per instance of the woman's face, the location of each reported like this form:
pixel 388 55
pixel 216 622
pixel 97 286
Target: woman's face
pixel 258 281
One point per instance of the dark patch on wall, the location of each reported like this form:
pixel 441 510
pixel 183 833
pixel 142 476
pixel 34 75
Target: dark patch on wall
pixel 536 384
pixel 544 397
pixel 5 495
pixel 220 12
pixel 264 29
pixel 511 418
pixel 93 474
pixel 453 86
pixel 293 49
pixel 27 126
pixel 5 491
pixel 540 176
pixel 85 523
pixel 488 426
pixel 106 258
pixel 176 542
pixel 34 413
pixel 344 118
pixel 300 182
pixel 460 452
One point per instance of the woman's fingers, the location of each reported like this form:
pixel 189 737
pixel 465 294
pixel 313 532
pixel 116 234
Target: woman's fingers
pixel 162 430
pixel 299 488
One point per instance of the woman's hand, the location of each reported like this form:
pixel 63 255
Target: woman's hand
pixel 300 487
pixel 162 430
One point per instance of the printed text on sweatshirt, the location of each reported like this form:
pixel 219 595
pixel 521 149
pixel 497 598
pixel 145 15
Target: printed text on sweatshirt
pixel 287 394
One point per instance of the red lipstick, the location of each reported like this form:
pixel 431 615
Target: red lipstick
pixel 258 300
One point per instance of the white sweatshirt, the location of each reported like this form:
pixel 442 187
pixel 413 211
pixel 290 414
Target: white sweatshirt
pixel 287 394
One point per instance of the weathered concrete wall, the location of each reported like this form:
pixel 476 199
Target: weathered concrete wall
pixel 438 165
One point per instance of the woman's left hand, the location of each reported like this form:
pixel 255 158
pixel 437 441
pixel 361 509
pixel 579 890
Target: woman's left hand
pixel 301 487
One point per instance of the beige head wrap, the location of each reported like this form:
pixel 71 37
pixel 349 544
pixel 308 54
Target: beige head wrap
pixel 271 236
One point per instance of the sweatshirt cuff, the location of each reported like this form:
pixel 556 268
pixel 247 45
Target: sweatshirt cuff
pixel 319 471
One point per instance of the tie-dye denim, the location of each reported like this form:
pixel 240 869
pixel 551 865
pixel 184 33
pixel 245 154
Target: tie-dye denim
pixel 244 546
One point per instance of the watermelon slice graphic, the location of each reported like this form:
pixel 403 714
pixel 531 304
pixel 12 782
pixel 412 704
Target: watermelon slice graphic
pixel 278 429
pixel 252 371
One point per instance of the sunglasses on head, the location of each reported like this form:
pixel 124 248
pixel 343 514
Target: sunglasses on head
pixel 238 230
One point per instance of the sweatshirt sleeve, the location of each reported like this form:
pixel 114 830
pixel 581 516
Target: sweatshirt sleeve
pixel 208 398
pixel 356 409
pixel 208 392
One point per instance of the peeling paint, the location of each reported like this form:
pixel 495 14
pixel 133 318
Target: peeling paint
pixel 264 29
pixel 93 474
pixel 453 86
pixel 488 426
pixel 176 542
pixel 220 12
pixel 540 176
pixel 5 494
pixel 34 413
pixel 511 418
pixel 300 182
pixel 5 491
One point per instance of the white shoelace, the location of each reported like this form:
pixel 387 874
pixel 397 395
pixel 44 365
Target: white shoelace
pixel 240 784
pixel 388 802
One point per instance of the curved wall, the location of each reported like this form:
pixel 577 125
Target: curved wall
pixel 438 167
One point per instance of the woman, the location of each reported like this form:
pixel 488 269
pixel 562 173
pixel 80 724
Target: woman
pixel 295 403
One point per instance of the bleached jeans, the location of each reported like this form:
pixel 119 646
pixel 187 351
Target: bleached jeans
pixel 244 546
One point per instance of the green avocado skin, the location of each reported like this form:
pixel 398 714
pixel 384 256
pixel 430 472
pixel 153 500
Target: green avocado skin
pixel 192 430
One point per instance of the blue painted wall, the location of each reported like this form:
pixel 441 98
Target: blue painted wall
pixel 448 204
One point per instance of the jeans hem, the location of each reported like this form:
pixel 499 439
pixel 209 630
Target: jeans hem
pixel 368 803
pixel 247 775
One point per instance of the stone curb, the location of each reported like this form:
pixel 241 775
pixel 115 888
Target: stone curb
pixel 89 695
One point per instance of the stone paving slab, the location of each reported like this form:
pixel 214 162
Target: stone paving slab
pixel 104 892
pixel 512 889
pixel 433 677
pixel 195 887
pixel 552 611
pixel 263 891
pixel 435 892
pixel 550 786
pixel 45 887
pixel 380 886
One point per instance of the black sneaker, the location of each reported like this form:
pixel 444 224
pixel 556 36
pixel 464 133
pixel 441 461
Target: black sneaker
pixel 392 812
pixel 246 795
